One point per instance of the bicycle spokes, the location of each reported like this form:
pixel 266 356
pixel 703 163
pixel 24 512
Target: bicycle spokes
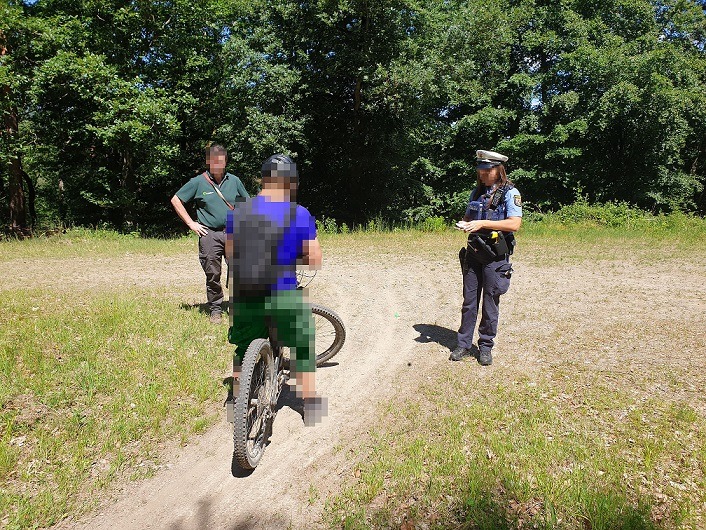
pixel 259 406
pixel 325 333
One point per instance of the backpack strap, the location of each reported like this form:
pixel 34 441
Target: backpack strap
pixel 499 196
pixel 291 217
pixel 217 189
pixel 477 192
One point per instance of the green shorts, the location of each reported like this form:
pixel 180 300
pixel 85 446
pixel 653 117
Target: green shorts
pixel 289 313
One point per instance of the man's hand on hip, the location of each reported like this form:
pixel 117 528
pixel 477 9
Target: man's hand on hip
pixel 198 228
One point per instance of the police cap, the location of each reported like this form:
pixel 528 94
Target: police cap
pixel 488 159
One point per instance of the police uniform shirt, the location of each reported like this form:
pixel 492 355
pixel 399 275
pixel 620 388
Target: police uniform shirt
pixel 510 207
pixel 513 203
pixel 210 209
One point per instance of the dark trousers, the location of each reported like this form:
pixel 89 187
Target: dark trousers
pixel 487 282
pixel 211 249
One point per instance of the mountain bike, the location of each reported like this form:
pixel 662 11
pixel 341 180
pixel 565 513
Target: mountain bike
pixel 264 372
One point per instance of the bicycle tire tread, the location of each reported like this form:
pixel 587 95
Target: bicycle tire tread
pixel 240 427
pixel 338 326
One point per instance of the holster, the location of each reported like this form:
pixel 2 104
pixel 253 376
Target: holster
pixel 511 242
pixel 485 249
pixel 462 257
pixel 500 246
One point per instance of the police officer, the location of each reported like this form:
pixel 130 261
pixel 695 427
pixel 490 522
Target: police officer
pixel 215 192
pixel 494 213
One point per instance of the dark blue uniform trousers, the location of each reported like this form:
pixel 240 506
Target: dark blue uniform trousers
pixel 489 282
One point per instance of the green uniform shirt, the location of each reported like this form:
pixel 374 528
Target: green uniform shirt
pixel 210 209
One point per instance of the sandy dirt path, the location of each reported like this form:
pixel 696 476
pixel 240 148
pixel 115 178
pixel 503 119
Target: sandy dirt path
pixel 302 466
pixel 401 314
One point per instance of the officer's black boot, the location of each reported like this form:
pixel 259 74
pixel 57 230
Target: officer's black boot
pixel 459 353
pixel 485 358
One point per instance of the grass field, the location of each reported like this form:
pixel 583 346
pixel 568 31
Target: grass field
pixel 567 451
pixel 92 383
pixel 96 382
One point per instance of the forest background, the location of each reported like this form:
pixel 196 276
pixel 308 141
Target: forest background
pixel 107 105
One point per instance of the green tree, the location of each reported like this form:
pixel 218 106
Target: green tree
pixel 16 187
pixel 616 108
pixel 107 106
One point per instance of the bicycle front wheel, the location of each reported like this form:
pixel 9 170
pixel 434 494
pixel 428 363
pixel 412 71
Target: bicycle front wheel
pixel 253 407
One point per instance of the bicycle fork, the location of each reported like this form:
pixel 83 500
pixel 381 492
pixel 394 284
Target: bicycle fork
pixel 280 378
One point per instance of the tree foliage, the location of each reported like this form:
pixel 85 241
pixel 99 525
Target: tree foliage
pixel 383 102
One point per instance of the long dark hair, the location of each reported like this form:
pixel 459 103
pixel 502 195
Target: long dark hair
pixel 502 183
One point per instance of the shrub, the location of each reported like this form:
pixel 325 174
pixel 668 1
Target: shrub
pixel 433 224
pixel 616 215
pixel 327 225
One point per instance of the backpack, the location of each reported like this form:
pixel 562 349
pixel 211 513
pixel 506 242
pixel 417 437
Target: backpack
pixel 256 242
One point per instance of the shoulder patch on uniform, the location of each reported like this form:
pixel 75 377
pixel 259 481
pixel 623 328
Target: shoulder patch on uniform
pixel 518 200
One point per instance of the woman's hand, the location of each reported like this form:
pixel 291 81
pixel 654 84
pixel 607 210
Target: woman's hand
pixel 470 226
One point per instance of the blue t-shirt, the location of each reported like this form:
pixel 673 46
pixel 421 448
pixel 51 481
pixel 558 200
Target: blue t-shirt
pixel 510 207
pixel 301 228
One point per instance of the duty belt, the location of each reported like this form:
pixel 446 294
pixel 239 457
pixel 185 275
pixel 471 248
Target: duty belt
pixel 487 247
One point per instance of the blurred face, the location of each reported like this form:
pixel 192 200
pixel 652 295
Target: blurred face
pixel 489 176
pixel 216 163
pixel 283 184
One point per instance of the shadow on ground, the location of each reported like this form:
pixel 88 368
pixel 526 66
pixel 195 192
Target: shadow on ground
pixel 433 333
pixel 497 508
pixel 203 308
pixel 204 518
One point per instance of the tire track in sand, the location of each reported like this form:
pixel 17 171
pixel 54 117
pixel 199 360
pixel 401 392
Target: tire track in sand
pixel 302 466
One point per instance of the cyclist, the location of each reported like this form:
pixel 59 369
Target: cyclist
pixel 264 287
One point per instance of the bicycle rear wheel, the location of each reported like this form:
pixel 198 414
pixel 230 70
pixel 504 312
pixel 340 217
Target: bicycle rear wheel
pixel 329 338
pixel 253 407
pixel 330 333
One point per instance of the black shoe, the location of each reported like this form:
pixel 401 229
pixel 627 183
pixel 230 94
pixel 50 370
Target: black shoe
pixel 459 353
pixel 485 358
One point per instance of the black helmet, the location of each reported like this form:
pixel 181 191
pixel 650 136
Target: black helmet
pixel 280 166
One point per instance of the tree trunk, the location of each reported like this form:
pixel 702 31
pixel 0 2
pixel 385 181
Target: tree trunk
pixel 18 204
pixel 31 199
pixel 127 185
pixel 358 136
